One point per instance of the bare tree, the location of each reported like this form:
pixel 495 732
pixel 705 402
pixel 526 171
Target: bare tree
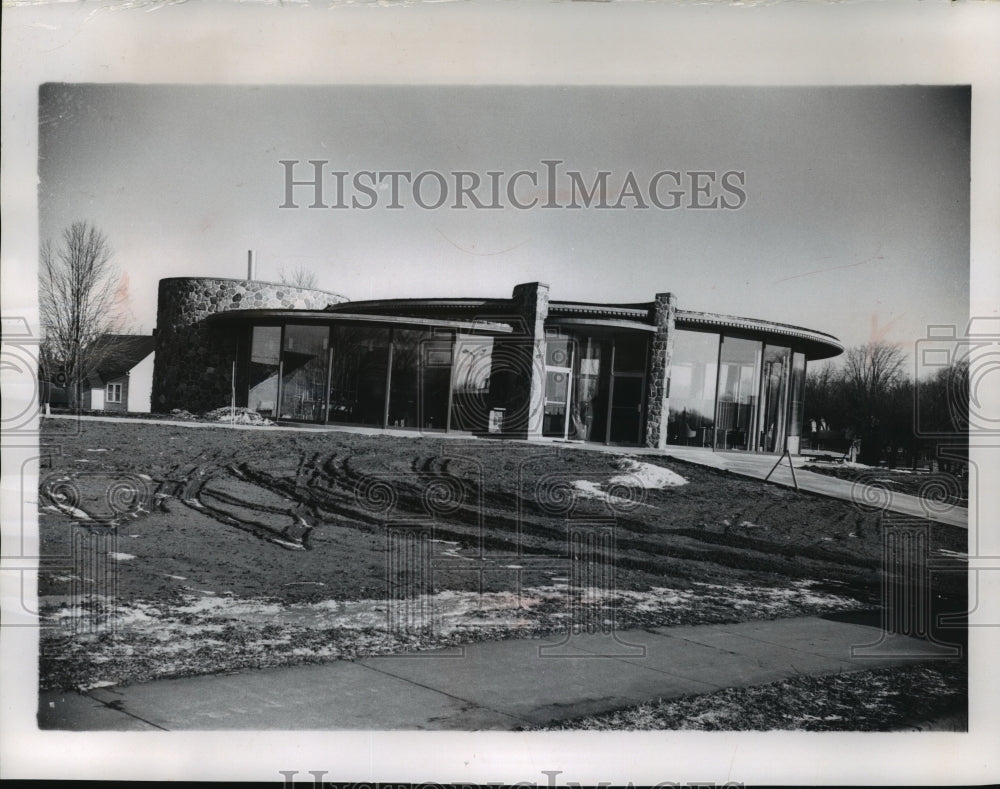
pixel 872 369
pixel 77 293
pixel 299 277
pixel 872 373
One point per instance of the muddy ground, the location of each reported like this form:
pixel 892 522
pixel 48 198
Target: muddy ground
pixel 936 486
pixel 211 549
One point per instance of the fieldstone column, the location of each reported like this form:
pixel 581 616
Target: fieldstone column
pixel 662 315
pixel 531 302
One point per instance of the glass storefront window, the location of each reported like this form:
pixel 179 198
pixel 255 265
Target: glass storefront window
pixel 265 348
pixel 739 383
pixel 303 372
pixel 421 373
pixel 588 410
pixel 358 375
pixel 470 383
pixel 773 411
pixel 693 375
pixel 798 394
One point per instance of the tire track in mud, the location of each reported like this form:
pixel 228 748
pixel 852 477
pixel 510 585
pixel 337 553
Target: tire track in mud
pixel 282 503
pixel 332 488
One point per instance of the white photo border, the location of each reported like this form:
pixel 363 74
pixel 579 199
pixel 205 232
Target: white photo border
pixel 488 42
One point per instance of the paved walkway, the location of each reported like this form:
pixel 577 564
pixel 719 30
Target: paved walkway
pixel 758 466
pixel 490 685
pixel 746 464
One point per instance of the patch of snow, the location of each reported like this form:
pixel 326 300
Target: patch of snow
pixel 237 416
pixel 69 509
pixel 648 475
pixel 293 546
pixel 99 450
pixel 103 683
pixel 121 557
pixel 592 490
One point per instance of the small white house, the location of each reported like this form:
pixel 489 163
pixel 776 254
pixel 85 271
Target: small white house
pixel 124 380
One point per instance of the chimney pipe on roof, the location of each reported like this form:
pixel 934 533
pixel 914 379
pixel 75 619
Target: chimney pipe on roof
pixel 251 265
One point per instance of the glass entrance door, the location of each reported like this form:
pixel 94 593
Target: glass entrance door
pixel 558 385
pixel 626 409
pixel 628 387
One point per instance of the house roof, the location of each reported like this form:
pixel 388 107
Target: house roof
pixel 119 353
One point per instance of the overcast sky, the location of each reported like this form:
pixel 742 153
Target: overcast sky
pixel 855 220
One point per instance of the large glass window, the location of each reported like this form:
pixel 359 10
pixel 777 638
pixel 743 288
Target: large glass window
pixel 588 410
pixel 773 403
pixel 470 383
pixel 798 388
pixel 265 349
pixel 693 376
pixel 739 383
pixel 421 373
pixel 303 372
pixel 798 393
pixel 358 375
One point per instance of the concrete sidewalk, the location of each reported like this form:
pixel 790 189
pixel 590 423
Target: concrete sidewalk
pixel 489 685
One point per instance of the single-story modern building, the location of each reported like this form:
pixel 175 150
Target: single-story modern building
pixel 638 374
pixel 123 381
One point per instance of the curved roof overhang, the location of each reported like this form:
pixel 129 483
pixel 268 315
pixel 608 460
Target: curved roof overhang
pixel 499 316
pixel 816 345
pixel 602 323
pixel 456 309
pixel 330 318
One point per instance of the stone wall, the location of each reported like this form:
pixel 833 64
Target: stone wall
pixel 663 315
pixel 194 362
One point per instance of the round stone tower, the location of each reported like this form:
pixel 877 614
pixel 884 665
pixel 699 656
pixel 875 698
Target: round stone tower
pixel 194 361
